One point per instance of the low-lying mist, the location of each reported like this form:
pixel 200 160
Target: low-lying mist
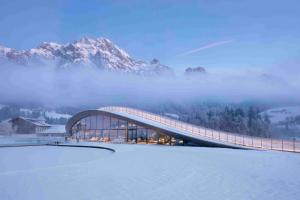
pixel 91 87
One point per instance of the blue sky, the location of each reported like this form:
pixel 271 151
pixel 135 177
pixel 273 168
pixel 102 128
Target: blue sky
pixel 228 34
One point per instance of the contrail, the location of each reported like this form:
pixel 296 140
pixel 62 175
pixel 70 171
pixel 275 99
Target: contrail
pixel 208 46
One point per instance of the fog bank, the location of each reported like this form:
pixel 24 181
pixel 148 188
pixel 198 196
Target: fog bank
pixel 86 86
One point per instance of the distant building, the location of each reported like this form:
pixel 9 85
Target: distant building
pixel 5 127
pixel 29 125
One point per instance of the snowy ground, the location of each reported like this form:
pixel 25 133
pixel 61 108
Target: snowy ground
pixel 138 172
pixel 55 115
pixel 280 114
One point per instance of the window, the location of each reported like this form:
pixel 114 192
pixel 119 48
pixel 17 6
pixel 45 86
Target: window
pixel 111 129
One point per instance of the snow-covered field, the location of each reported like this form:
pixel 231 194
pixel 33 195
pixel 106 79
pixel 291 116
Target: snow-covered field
pixel 55 115
pixel 280 114
pixel 138 172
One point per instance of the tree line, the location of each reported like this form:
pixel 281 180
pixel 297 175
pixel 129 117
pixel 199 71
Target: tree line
pixel 243 119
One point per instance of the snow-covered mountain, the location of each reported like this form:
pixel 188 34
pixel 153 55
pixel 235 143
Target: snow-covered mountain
pixel 98 53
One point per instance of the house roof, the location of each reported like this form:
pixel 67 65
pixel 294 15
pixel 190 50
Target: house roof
pixel 35 121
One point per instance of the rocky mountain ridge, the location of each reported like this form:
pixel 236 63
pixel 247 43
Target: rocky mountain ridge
pixel 98 53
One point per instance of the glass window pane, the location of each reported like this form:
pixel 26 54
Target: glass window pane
pixel 99 122
pixel 88 122
pixel 131 125
pixel 122 134
pixel 122 124
pixel 83 125
pixel 106 122
pixel 114 123
pixel 93 122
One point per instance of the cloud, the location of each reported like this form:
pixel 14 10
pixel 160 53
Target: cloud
pixel 208 46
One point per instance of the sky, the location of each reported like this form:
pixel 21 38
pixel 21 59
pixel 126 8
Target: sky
pixel 215 34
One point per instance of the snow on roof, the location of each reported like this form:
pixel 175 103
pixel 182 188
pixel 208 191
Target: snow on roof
pixel 37 122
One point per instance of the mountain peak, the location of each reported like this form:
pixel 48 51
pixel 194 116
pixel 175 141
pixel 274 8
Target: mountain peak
pixel 195 70
pixel 87 40
pixel 47 45
pixel 154 61
pixel 98 53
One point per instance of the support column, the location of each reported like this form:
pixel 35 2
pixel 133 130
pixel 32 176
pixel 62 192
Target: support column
pixel 90 127
pixel 136 136
pixel 147 135
pixel 109 128
pixel 126 133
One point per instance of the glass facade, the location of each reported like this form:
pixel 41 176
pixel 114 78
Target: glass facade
pixel 104 128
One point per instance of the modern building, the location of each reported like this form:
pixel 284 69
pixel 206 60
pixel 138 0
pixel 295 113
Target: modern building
pixel 24 125
pixel 98 125
pixel 128 125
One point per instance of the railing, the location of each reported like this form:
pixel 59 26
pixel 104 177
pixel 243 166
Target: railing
pixel 17 140
pixel 210 134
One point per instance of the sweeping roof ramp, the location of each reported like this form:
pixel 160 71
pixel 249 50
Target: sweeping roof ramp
pixel 187 132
